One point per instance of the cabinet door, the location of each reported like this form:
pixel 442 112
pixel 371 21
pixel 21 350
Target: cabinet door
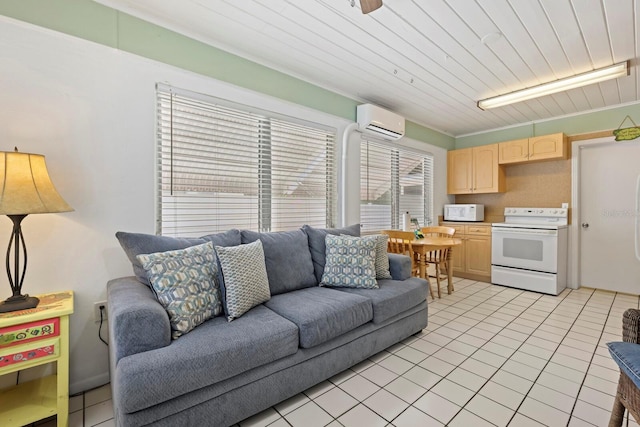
pixel 513 151
pixel 548 147
pixel 488 175
pixel 458 256
pixel 459 171
pixel 478 255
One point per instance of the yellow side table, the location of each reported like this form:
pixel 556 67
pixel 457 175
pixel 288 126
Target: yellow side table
pixel 30 338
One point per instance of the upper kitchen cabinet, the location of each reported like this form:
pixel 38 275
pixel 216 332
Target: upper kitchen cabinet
pixel 546 147
pixel 475 170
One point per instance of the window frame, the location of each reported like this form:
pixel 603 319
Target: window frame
pixel 397 150
pixel 325 134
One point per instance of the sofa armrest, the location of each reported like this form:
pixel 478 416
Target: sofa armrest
pixel 137 321
pixel 399 266
pixel 631 326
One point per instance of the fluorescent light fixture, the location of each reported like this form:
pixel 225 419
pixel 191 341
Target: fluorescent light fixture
pixel 588 78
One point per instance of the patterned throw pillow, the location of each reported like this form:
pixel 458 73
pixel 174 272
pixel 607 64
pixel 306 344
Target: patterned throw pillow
pixel 185 283
pixel 382 257
pixel 350 262
pixel 244 278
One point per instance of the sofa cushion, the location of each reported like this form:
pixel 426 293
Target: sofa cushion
pixel 244 281
pixel 393 297
pixel 317 243
pixel 287 258
pixel 185 283
pixel 350 262
pixel 135 244
pixel 211 353
pixel 321 314
pixel 400 266
pixel 627 356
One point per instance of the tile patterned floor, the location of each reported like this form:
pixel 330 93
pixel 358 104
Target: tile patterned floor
pixel 491 356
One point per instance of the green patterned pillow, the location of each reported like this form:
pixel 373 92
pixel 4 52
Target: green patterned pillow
pixel 185 283
pixel 244 278
pixel 350 262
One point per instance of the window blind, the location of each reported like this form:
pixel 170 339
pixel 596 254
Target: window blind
pixel 222 167
pixel 393 181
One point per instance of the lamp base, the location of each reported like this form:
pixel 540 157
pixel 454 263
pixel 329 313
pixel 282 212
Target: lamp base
pixel 18 302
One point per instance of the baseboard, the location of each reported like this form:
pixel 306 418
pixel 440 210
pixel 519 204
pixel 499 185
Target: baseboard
pixel 472 276
pixel 88 383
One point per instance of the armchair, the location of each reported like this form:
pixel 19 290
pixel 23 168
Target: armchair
pixel 627 355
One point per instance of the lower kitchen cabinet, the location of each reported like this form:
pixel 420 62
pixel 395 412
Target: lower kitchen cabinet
pixel 472 259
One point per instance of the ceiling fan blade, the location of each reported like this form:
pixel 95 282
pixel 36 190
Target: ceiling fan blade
pixel 369 5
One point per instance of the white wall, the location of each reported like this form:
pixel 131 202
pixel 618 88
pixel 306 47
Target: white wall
pixel 90 110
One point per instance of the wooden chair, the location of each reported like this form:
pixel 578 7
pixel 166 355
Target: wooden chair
pixel 437 258
pixel 400 243
pixel 628 395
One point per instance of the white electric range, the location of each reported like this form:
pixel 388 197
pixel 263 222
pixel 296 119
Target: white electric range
pixel 529 249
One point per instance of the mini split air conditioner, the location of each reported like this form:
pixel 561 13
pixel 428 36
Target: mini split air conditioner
pixel 377 121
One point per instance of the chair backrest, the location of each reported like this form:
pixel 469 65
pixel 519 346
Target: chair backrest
pixel 436 231
pixel 400 242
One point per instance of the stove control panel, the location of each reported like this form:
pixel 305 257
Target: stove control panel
pixel 536 212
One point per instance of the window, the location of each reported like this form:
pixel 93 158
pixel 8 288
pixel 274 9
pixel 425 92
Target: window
pixel 223 166
pixel 393 181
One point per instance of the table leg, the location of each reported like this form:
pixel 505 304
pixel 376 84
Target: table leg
pixel 423 267
pixel 449 271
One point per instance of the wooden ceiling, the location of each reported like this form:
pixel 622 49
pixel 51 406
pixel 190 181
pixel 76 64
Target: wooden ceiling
pixel 428 60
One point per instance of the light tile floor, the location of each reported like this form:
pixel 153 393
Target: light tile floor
pixel 491 356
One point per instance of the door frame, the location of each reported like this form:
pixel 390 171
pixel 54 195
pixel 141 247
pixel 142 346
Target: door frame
pixel 573 279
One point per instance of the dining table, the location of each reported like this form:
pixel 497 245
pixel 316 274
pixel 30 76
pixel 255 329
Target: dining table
pixel 428 244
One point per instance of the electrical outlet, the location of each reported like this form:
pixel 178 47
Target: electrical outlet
pixel 96 310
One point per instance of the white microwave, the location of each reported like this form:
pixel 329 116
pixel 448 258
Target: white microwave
pixel 464 212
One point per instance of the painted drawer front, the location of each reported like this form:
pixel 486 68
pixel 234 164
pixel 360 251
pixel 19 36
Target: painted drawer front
pixel 51 350
pixel 29 332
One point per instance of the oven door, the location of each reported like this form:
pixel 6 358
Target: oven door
pixel 531 249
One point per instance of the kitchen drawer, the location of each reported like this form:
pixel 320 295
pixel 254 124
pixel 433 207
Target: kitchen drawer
pixel 482 230
pixel 459 229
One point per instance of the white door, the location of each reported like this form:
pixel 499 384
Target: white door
pixel 609 173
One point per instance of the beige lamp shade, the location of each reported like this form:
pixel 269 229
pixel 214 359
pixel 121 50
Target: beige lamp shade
pixel 25 186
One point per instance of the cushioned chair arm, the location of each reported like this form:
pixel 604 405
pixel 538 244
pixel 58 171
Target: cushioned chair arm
pixel 631 326
pixel 137 321
pixel 399 266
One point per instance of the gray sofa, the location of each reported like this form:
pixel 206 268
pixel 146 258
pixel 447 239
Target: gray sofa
pixel 223 372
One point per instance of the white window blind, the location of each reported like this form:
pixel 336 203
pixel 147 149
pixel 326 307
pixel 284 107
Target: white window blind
pixel 393 181
pixel 221 167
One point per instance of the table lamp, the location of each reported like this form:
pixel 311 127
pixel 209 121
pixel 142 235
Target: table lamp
pixel 25 188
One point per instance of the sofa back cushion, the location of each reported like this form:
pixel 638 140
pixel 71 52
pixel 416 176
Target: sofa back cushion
pixel 287 258
pixel 135 244
pixel 318 247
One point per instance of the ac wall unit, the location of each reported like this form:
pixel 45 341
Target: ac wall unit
pixel 377 121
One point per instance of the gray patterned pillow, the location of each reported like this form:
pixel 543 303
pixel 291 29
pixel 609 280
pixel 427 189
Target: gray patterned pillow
pixel 244 278
pixel 185 283
pixel 350 262
pixel 382 257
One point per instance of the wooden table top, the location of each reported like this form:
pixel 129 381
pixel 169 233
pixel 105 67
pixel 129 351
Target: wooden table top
pixel 437 241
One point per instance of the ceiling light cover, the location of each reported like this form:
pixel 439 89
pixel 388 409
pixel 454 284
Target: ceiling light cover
pixel 580 80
